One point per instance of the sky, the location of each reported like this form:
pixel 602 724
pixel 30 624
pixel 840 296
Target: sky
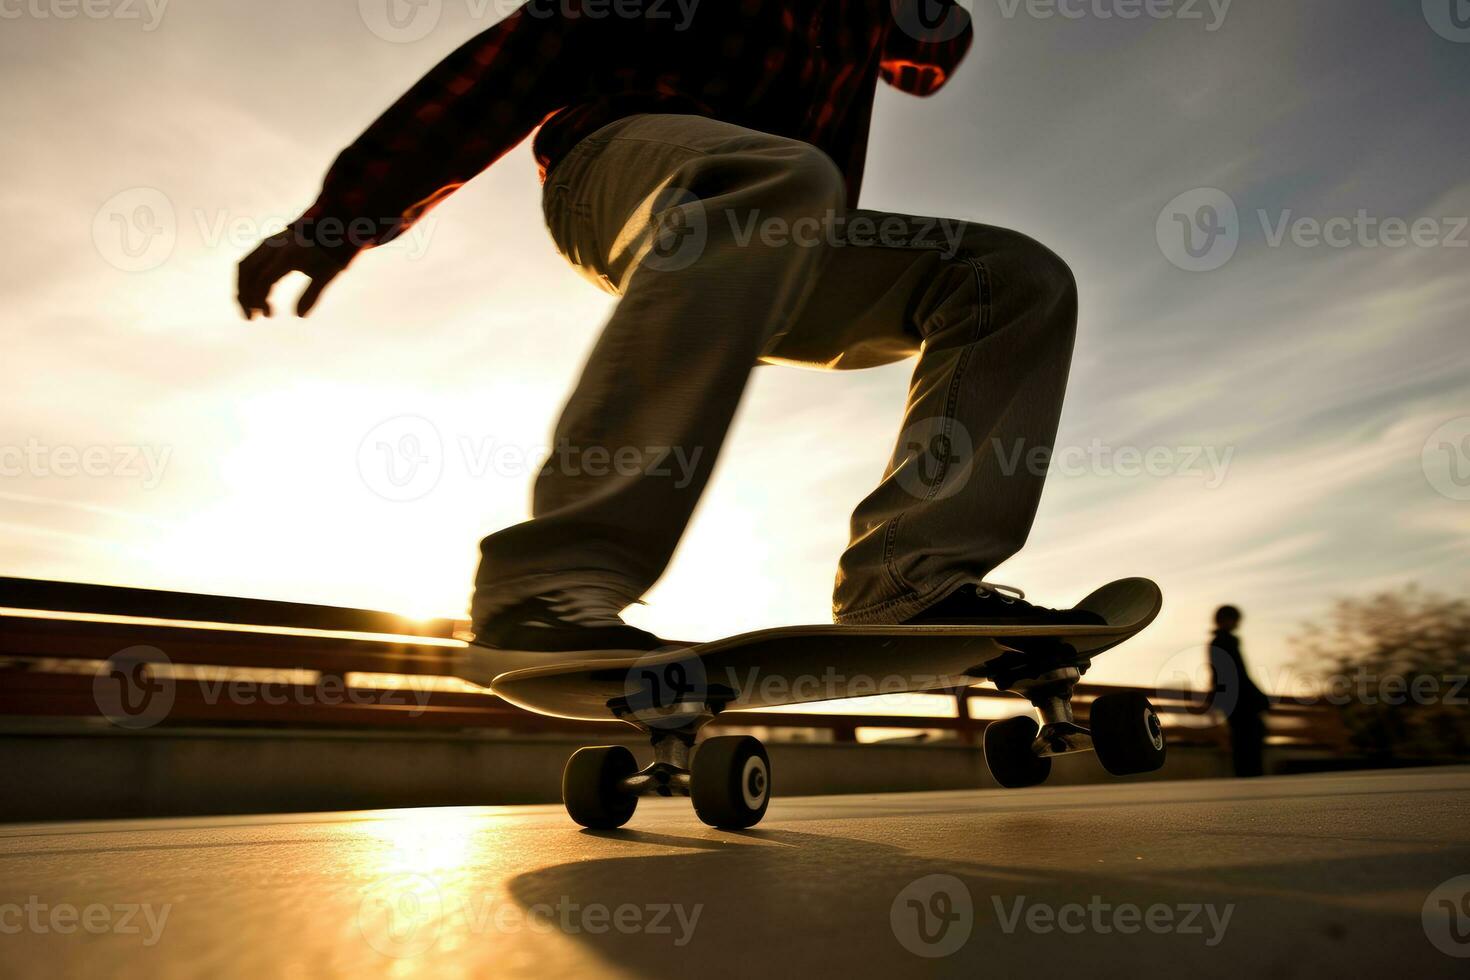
pixel 1302 398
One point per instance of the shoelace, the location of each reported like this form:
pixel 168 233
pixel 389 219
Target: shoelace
pixel 1000 591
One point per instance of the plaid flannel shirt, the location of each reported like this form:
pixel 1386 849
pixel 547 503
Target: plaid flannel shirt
pixel 803 69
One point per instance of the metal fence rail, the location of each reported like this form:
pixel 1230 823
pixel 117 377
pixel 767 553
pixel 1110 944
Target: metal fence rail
pixel 54 637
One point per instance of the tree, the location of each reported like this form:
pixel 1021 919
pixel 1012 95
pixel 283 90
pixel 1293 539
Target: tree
pixel 1396 666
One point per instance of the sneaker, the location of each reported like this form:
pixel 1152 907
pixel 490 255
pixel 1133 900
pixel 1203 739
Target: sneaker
pixel 559 627
pixel 983 604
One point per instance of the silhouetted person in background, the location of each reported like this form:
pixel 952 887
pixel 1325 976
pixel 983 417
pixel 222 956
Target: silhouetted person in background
pixel 1237 695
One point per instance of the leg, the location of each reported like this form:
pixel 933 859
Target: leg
pixel 1247 744
pixel 994 324
pixel 655 207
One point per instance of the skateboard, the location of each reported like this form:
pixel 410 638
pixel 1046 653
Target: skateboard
pixel 671 693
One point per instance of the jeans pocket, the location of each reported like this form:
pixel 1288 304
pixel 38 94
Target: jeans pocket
pixel 564 203
pixel 555 210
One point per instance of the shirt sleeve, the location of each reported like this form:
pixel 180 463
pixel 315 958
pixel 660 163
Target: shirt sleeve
pixel 924 47
pixel 468 112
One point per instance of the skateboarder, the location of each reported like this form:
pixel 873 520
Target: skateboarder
pixel 706 170
pixel 1237 695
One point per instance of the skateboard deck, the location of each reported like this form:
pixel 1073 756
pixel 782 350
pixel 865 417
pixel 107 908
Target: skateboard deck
pixel 806 664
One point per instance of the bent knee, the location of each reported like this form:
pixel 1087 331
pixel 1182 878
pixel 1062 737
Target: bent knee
pixel 1053 277
pixel 1000 281
pixel 818 178
pixel 1025 278
pixel 794 174
pixel 1026 266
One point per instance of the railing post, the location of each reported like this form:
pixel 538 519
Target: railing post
pixel 962 712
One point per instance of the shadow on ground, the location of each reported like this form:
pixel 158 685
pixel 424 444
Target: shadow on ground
pixel 786 903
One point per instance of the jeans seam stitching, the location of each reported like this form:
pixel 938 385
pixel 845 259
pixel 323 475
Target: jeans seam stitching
pixel 667 143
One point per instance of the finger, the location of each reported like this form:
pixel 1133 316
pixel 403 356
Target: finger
pixel 309 297
pixel 251 306
pixel 250 299
pixel 243 276
pixel 313 292
pixel 247 284
pixel 258 272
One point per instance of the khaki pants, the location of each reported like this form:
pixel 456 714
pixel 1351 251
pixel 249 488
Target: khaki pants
pixel 730 247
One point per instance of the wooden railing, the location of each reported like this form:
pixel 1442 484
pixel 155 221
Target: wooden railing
pixel 233 661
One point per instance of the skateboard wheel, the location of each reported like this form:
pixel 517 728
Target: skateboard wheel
pixel 1008 753
pixel 590 790
pixel 730 783
pixel 1126 734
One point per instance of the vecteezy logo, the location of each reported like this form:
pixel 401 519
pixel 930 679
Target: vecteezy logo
pixel 401 916
pixel 1199 230
pixel 677 230
pixel 136 230
pixel 934 21
pixel 401 459
pixel 1449 18
pixel 130 692
pixel 1446 459
pixel 401 21
pixel 934 458
pixel 1209 679
pixel 1446 917
pixel 664 688
pixel 933 916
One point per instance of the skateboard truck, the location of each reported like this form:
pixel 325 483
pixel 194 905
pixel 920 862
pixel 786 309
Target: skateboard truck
pixel 1123 729
pixel 1051 694
pixel 671 729
pixel 668 774
pixel 728 780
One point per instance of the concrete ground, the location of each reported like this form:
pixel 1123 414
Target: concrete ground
pixel 1296 876
pixel 179 772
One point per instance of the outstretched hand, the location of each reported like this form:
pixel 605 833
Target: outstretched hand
pixel 274 259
